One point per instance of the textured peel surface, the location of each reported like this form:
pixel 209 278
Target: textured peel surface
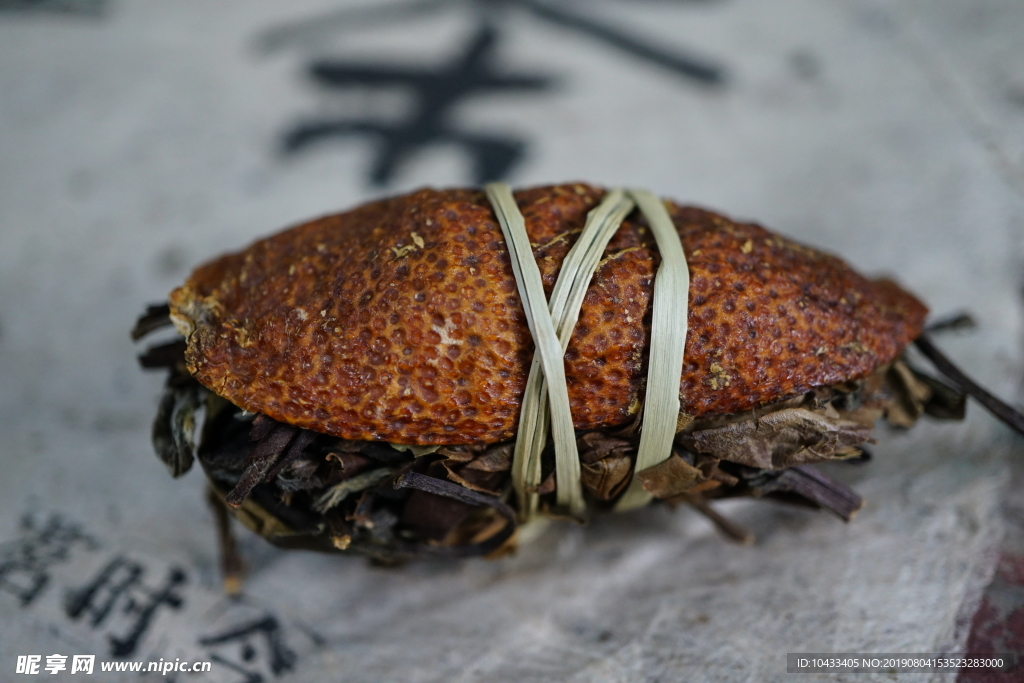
pixel 400 320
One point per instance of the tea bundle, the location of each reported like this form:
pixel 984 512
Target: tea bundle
pixel 378 381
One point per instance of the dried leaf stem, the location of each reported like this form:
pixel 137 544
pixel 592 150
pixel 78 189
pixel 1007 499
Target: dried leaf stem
pixel 1001 410
pixel 447 489
pixel 154 318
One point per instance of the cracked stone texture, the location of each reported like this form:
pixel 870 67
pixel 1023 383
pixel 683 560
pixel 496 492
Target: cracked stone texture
pixel 141 142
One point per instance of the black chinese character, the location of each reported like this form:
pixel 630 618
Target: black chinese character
pixel 93 8
pixel 437 92
pixel 119 583
pixel 563 15
pixel 279 657
pixel 25 562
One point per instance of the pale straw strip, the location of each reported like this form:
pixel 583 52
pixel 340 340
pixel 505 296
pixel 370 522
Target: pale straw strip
pixel 566 300
pixel 668 339
pixel 545 340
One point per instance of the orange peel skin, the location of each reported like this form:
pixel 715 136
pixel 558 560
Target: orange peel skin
pixel 400 320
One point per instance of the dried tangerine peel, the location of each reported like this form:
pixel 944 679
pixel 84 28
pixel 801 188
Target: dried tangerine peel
pixel 400 320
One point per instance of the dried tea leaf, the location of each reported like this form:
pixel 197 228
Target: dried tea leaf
pixel 458 453
pixel 259 520
pixel 606 463
pixel 350 464
pixel 300 475
pixel 479 526
pixel 383 453
pixel 821 397
pixel 547 486
pixel 496 459
pixel 338 531
pixel 224 441
pixel 183 428
pixel 631 428
pixel 487 472
pixel 782 439
pixel 298 445
pixel 716 421
pixel 946 403
pixel 669 478
pixel 864 415
pixel 954 322
pixel 728 527
pixel 174 427
pixel 260 427
pixel 346 446
pixel 811 485
pixel 382 524
pixel 417 451
pixel 434 517
pixel 709 468
pixel 435 492
pixel 925 394
pixel 336 494
pixel 1013 418
pixel 704 486
pixel 596 446
pixel 261 460
pixel 909 395
pixel 490 483
pixel 169 355
pixel 163 439
pixel 606 478
pixel 155 317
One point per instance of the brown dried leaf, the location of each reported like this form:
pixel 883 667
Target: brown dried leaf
pixel 497 459
pixel 781 439
pixel 865 415
pixel 704 486
pixel 274 439
pixel 723 524
pixel 946 402
pixel 477 480
pixel 683 420
pixel 716 421
pixel 350 463
pixel 920 391
pixel 434 516
pixel 812 486
pixel 339 492
pixel 457 453
pixel 606 478
pixel 909 396
pixel 669 478
pixel 709 468
pixel 345 446
pixel 595 446
pixel 547 486
pixel 487 472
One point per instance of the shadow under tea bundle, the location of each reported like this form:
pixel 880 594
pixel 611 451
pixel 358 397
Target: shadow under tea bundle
pixel 427 373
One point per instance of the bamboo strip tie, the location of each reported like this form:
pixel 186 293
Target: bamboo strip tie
pixel 545 403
